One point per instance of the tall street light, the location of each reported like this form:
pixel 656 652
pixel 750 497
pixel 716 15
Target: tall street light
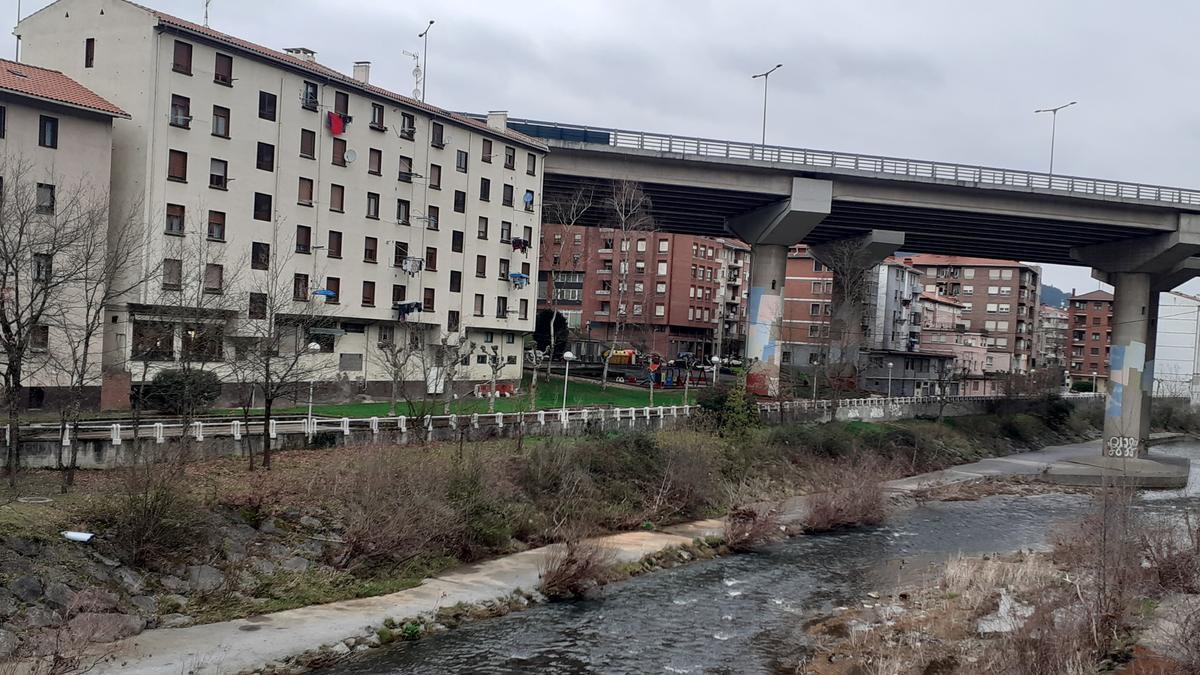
pixel 766 76
pixel 890 364
pixel 425 58
pixel 1053 127
pixel 568 356
pixel 313 348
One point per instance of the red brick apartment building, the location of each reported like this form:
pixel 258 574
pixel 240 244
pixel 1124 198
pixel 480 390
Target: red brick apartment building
pixel 807 308
pixel 652 291
pixel 1091 333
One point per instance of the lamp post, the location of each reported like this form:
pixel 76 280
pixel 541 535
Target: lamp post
pixel 1053 127
pixel 568 357
pixel 890 364
pixel 766 76
pixel 1094 381
pixel 313 348
pixel 425 58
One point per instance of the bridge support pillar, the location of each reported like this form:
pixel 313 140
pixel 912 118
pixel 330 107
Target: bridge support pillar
pixel 764 317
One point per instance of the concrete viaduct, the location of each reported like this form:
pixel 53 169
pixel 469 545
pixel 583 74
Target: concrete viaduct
pixel 1141 239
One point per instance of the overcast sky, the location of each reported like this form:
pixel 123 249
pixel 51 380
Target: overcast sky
pixel 931 79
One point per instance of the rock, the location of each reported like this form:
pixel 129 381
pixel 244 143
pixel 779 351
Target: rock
pixel 27 588
pixel 38 617
pixel 59 595
pixel 268 526
pixel 372 640
pixel 95 627
pixel 261 566
pixel 145 604
pixel 362 647
pixel 8 603
pixel 204 578
pixel 172 602
pixel 311 549
pixel 311 523
pixel 106 560
pixel 173 583
pixel 234 550
pixel 8 642
pixel 27 547
pixel 129 579
pixel 96 600
pixel 174 621
pixel 873 595
pixel 1008 617
pixel 340 649
pixel 295 564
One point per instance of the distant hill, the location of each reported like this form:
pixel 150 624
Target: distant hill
pixel 1054 296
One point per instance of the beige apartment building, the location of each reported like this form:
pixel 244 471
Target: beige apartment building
pixel 55 148
pixel 257 168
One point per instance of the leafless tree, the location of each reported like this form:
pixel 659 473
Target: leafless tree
pixel 852 283
pixel 401 357
pixel 495 363
pixel 448 357
pixel 566 211
pixel 629 208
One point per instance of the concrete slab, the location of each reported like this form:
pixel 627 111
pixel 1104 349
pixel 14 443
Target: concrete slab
pixel 1153 472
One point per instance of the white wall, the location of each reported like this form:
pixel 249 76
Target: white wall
pixel 1175 356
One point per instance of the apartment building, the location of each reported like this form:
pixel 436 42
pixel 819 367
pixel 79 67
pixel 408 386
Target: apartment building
pixel 943 331
pixel 653 291
pixel 732 295
pixel 1052 337
pixel 1091 335
pixel 892 317
pixel 999 298
pixel 807 309
pixel 56 140
pixel 1176 351
pixel 252 164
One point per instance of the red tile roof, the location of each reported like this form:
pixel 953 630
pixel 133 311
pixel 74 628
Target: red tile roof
pixel 326 72
pixel 944 299
pixel 53 86
pixel 1094 295
pixel 929 259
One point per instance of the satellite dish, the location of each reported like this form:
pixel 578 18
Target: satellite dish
pixel 417 72
pixel 350 156
pixel 417 92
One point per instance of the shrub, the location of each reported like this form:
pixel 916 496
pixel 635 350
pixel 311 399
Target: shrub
pixel 748 528
pixel 572 569
pixel 180 392
pixel 848 494
pixel 1022 427
pixel 1082 386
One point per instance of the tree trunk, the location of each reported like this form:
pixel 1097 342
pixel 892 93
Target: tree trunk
pixel 268 403
pixel 392 404
pixel 14 436
pixel 604 375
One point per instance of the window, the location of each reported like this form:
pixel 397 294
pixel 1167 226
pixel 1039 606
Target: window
pixel 218 174
pixel 460 201
pixel 223 69
pixel 455 281
pixel 507 198
pixel 45 199
pixel 406 172
pixel 482 233
pixel 334 285
pixel 175 218
pixel 220 121
pixel 333 248
pixel 399 293
pixel 408 125
pixel 337 198
pixel 266 156
pixel 486 155
pixel 504 266
pixel 373 205
pixel 368 294
pixel 266 105
pixel 460 161
pixel 662 268
pixel 505 231
pixel 375 162
pixel 456 241
pixel 300 287
pixel 258 306
pixel 303 239
pixel 428 301
pixel 431 258
pixel 510 157
pixel 341 103
pixel 370 249
pixel 216 226
pixel 377 117
pixel 403 209
pixel 3 115
pixel 435 176
pixel 478 304
pixel 400 253
pixel 182 62
pixel 181 111
pixel 308 144
pixel 213 278
pixel 660 287
pixel 308 99
pixel 433 217
pixel 452 321
pixel 89 52
pixel 481 266
pixel 662 245
pixel 262 206
pixel 437 136
pixel 339 152
pixel 529 207
pixel 172 274
pixel 304 196
pixel 177 166
pixel 485 190
pixel 501 307
pixel 531 164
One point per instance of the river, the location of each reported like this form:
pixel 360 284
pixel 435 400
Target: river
pixel 741 614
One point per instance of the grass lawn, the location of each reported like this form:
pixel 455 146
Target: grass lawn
pixel 549 395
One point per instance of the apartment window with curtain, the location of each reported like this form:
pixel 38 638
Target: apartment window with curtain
pixel 435 176
pixel 403 211
pixel 485 190
pixel 216 226
pixel 406 172
pixel 260 255
pixel 182 61
pixel 175 219
pixel 370 250
pixel 437 135
pixel 223 69
pixel 337 198
pixel 510 157
pixel 368 294
pixel 266 105
pixel 181 111
pixel 431 258
pixel 333 247
pixel 304 196
pixel 373 205
pixel 303 239
pixel 375 162
pixel 220 122
pixel 486 156
pixel 428 302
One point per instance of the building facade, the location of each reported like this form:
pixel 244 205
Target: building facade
pixel 807 309
pixel 892 313
pixel 1052 337
pixel 257 168
pixel 1091 335
pixel 1176 350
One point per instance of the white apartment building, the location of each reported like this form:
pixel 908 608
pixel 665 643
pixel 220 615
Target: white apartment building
pixel 252 165
pixel 1176 351
pixel 892 311
pixel 55 139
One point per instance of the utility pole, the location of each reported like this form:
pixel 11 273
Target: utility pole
pixel 766 76
pixel 1053 127
pixel 425 72
pixel 18 56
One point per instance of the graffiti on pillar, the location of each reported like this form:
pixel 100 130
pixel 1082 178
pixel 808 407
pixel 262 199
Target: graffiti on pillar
pixel 1122 446
pixel 764 310
pixel 1126 366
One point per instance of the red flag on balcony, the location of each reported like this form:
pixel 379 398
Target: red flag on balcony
pixel 337 125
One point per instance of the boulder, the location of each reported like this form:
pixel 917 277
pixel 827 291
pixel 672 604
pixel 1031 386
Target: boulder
pixel 340 649
pixel 174 621
pixel 95 627
pixel 145 604
pixel 311 523
pixel 8 603
pixel 173 583
pixel 59 595
pixel 204 578
pixel 261 566
pixel 129 579
pixel 311 549
pixel 96 600
pixel 268 526
pixel 27 547
pixel 27 588
pixel 295 564
pixel 38 617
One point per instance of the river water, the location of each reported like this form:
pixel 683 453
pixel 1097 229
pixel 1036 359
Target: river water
pixel 741 614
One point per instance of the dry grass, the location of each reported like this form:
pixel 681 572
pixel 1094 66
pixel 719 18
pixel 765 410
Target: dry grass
pixel 975 581
pixel 847 493
pixel 574 568
pixel 748 528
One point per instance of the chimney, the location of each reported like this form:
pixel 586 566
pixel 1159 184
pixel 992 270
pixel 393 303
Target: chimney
pixel 302 53
pixel 498 120
pixel 362 71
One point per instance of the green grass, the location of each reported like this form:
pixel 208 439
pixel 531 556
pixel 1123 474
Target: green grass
pixel 549 396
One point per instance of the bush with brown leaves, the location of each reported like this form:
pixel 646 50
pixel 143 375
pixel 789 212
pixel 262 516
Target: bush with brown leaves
pixel 574 568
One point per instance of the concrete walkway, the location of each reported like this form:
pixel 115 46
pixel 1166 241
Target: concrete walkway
pixel 247 644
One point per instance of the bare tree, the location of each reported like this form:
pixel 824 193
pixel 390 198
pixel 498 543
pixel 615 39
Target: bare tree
pixel 629 208
pixel 566 211
pixel 448 356
pixel 400 357
pixel 852 282
pixel 495 363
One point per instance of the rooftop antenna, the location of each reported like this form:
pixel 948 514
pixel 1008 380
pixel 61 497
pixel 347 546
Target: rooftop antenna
pixel 417 73
pixel 206 4
pixel 18 56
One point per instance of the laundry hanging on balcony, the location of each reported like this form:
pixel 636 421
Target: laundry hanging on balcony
pixel 519 244
pixel 518 279
pixel 337 122
pixel 412 265
pixel 403 309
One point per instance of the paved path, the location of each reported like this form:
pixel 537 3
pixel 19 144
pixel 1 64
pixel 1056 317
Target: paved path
pixel 246 644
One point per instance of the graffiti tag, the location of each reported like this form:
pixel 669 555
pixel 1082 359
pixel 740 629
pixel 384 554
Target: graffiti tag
pixel 1122 446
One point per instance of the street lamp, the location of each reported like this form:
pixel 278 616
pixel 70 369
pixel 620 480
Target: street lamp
pixel 1094 381
pixel 766 76
pixel 890 364
pixel 313 348
pixel 425 58
pixel 568 356
pixel 1053 127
